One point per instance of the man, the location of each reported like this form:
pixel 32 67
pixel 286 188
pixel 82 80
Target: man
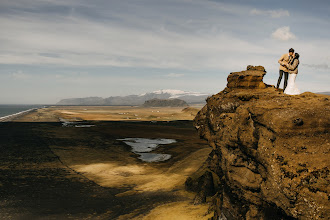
pixel 285 59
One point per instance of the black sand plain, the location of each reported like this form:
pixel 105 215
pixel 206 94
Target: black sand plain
pixel 37 180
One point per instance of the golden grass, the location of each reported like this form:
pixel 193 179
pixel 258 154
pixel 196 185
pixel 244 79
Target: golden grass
pixel 141 177
pixel 178 210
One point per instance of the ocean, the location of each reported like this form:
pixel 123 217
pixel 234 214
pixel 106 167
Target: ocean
pixel 7 110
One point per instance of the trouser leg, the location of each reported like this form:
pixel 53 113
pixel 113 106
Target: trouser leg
pixel 279 79
pixel 286 76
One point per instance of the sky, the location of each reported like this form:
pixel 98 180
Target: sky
pixel 56 49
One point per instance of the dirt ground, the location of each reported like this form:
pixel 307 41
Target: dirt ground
pixel 48 171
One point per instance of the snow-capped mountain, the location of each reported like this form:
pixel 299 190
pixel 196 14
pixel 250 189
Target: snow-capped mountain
pixel 178 93
pixel 189 97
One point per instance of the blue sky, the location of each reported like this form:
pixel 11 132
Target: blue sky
pixel 50 50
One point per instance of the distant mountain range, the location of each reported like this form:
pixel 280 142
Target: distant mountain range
pixel 165 103
pixel 324 93
pixel 189 97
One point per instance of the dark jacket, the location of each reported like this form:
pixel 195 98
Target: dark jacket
pixel 293 67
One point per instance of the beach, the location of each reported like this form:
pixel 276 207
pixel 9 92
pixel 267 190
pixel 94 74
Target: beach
pixel 10 112
pixel 71 162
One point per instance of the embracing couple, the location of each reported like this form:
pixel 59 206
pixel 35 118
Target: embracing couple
pixel 289 68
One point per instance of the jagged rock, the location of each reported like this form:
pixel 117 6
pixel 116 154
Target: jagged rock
pixel 250 78
pixel 200 198
pixel 205 183
pixel 298 121
pixel 204 188
pixel 189 185
pixel 270 150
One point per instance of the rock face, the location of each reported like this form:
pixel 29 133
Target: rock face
pixel 165 103
pixel 270 157
pixel 252 78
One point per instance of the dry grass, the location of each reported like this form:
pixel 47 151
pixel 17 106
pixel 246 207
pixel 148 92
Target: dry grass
pixel 142 177
pixel 173 211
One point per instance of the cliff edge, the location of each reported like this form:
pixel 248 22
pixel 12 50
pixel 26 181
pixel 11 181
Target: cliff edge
pixel 270 157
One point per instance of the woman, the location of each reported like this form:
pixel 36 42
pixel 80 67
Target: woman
pixel 291 88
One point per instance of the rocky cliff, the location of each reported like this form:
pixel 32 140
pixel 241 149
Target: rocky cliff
pixel 270 157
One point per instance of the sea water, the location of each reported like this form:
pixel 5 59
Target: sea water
pixel 9 110
pixel 143 147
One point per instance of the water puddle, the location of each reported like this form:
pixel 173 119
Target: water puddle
pixel 143 147
pixel 84 126
pixel 66 123
pixel 151 157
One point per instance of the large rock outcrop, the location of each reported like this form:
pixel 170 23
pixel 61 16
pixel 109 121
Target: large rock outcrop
pixel 270 157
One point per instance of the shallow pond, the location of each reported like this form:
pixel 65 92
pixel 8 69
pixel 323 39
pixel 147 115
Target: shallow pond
pixel 142 147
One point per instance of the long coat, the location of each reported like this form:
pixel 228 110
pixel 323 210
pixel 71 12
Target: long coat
pixel 293 67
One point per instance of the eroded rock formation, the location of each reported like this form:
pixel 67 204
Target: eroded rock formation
pixel 270 157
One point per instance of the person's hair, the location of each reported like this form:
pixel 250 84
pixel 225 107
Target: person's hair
pixel 296 57
pixel 291 50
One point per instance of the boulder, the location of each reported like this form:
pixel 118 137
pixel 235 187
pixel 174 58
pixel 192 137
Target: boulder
pixel 250 78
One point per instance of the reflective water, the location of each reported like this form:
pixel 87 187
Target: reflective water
pixel 66 123
pixel 142 147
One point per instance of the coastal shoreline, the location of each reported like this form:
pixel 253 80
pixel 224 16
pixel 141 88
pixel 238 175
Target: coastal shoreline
pixel 17 115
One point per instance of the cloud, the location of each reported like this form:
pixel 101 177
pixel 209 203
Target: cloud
pixel 317 66
pixel 134 43
pixel 174 75
pixel 49 55
pixel 19 75
pixel 88 42
pixel 283 34
pixel 272 13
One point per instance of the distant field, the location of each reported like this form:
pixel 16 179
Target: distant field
pixel 111 113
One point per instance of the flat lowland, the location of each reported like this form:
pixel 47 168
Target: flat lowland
pixel 68 163
pixel 111 113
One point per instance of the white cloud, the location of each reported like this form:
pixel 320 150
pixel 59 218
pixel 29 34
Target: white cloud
pixel 73 41
pixel 19 75
pixel 323 66
pixel 185 36
pixel 272 13
pixel 174 75
pixel 283 34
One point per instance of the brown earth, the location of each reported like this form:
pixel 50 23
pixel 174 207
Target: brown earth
pixel 270 157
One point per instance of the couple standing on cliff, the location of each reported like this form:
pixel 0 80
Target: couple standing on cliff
pixel 289 68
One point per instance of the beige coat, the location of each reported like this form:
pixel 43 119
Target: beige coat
pixel 285 58
pixel 293 68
